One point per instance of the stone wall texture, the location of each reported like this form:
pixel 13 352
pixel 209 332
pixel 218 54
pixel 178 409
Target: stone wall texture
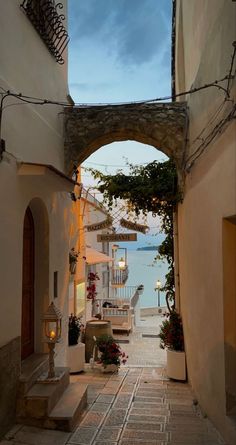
pixel 161 125
pixel 9 378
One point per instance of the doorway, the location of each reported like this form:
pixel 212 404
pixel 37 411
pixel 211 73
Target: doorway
pixel 27 321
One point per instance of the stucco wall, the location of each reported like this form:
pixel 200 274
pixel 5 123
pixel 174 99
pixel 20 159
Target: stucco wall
pixel 16 193
pixel 208 30
pixel 27 67
pixel 32 134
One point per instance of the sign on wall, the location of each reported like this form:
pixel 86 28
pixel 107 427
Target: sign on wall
pixel 133 226
pixel 99 226
pixel 119 237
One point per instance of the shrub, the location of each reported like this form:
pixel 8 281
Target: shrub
pixel 171 332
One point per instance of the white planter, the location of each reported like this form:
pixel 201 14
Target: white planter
pixel 176 365
pixel 76 357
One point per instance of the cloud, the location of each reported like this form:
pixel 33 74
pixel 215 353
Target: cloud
pixel 96 76
pixel 87 86
pixel 132 30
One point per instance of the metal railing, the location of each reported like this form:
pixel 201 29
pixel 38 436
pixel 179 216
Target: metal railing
pixel 46 19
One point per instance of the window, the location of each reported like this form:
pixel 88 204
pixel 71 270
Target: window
pixel 80 298
pixel 105 247
pixel 45 17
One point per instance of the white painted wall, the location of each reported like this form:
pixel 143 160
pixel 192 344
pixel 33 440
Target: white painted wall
pixel 32 134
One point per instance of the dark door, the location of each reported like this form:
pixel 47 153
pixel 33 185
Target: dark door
pixel 27 324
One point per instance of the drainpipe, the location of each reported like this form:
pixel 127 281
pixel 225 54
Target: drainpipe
pixel 176 260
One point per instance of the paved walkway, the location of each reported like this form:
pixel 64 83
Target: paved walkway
pixel 136 406
pixel 143 344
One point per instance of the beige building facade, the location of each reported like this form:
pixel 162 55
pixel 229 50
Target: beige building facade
pixel 204 46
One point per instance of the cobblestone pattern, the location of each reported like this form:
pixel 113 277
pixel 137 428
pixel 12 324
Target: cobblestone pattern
pixel 162 125
pixel 137 406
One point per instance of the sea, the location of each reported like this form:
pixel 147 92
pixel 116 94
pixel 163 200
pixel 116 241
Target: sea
pixel 144 270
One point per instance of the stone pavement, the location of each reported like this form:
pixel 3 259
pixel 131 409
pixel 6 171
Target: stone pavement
pixel 144 351
pixel 138 405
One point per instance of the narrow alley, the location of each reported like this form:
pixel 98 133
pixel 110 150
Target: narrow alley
pixel 138 405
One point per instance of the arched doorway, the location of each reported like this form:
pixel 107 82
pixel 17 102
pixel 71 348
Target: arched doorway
pixel 35 276
pixel 27 320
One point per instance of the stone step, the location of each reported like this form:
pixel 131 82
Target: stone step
pixel 70 407
pixel 41 398
pixel 31 369
pixel 65 415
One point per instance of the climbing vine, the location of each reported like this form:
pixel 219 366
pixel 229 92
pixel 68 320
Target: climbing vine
pixel 150 188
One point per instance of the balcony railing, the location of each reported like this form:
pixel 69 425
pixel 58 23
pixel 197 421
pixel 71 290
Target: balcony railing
pixel 130 293
pixel 46 19
pixel 119 276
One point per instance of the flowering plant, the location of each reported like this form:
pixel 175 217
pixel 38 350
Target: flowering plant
pixel 171 332
pixel 91 288
pixel 110 351
pixel 93 276
pixel 74 329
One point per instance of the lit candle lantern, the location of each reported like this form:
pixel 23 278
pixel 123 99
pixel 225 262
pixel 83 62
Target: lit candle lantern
pixel 52 335
pixel 52 324
pixel 52 331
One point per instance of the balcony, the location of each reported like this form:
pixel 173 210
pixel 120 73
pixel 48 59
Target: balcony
pixel 48 22
pixel 119 276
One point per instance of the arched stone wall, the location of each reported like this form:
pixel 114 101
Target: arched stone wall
pixel 162 125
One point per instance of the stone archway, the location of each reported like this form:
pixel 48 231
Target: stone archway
pixel 162 125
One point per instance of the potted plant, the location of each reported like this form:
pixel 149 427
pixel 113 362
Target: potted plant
pixel 172 339
pixel 110 354
pixel 73 258
pixel 76 349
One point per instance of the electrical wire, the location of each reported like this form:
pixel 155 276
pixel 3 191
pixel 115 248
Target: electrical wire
pixel 229 77
pixel 42 101
pixel 112 165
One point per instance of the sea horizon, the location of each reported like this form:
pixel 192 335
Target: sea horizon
pixel 143 269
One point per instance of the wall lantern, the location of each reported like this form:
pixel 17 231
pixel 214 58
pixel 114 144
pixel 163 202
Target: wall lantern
pixel 121 263
pixel 52 334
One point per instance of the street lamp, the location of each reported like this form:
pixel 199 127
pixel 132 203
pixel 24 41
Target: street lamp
pixel 158 287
